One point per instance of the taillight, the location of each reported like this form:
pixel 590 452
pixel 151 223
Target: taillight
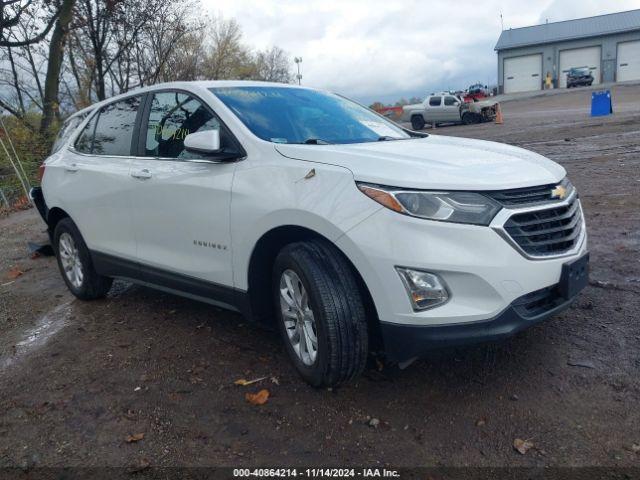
pixel 41 172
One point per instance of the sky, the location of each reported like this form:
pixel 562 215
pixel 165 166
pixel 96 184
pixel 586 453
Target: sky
pixel 387 49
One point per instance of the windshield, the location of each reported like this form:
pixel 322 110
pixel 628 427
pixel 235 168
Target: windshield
pixel 297 115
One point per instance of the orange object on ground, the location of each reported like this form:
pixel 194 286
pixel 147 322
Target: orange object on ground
pixel 499 120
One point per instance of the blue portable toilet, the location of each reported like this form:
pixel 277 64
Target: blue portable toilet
pixel 601 103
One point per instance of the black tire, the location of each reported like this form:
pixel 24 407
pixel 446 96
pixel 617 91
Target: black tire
pixel 92 285
pixel 338 311
pixel 467 118
pixel 417 122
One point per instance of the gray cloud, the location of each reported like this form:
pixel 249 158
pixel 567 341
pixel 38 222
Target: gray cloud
pixel 381 49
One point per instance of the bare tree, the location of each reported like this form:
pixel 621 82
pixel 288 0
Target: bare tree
pixel 227 56
pixel 20 66
pixel 171 38
pixel 54 65
pixel 273 65
pixel 99 48
pixel 16 12
pixel 187 60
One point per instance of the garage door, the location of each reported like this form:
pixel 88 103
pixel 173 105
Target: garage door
pixel 628 61
pixel 580 58
pixel 523 74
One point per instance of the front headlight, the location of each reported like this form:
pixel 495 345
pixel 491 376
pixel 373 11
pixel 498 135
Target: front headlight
pixel 457 207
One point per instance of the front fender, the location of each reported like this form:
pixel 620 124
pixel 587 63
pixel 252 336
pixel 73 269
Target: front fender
pixel 319 197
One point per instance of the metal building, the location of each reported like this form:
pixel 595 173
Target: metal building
pixel 609 45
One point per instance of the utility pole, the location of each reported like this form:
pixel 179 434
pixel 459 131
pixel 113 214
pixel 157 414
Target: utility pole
pixel 298 61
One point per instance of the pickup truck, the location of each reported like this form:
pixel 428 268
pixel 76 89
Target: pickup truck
pixel 447 109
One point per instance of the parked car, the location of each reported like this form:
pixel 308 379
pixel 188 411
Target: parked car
pixel 446 108
pixel 306 211
pixel 578 77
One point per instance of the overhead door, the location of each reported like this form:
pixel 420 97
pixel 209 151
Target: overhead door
pixel 628 61
pixel 580 58
pixel 523 74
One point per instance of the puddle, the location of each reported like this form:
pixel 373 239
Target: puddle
pixel 17 346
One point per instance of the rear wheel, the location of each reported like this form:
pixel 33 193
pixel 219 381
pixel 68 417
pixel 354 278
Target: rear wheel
pixel 74 262
pixel 417 122
pixel 320 312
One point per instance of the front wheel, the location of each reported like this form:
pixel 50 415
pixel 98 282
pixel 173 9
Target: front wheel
pixel 469 118
pixel 74 261
pixel 320 312
pixel 417 122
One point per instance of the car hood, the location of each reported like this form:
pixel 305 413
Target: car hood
pixel 435 162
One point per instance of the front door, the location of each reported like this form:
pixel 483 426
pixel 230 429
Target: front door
pixel 451 108
pixel 181 199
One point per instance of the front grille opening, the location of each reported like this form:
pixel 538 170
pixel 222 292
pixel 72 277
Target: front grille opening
pixel 538 302
pixel 552 231
pixel 518 197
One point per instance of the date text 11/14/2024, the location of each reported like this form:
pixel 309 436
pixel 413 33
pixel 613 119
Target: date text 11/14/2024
pixel 316 472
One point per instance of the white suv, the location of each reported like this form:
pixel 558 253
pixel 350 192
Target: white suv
pixel 300 207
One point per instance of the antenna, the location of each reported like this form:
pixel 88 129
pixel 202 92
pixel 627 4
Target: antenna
pixel 501 22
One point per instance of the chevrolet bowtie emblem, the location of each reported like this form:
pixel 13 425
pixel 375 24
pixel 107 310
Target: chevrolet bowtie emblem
pixel 559 192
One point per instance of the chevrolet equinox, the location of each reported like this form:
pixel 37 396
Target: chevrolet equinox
pixel 302 208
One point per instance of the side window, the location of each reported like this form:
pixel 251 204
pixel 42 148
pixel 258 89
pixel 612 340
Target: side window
pixel 450 101
pixel 115 128
pixel 68 127
pixel 173 116
pixel 84 142
pixel 435 101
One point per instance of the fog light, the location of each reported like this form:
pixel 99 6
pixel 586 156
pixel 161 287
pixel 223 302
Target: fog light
pixel 426 290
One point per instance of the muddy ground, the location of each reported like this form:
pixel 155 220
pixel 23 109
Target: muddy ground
pixel 76 379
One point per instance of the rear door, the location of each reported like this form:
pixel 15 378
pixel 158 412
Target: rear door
pixel 95 182
pixel 181 200
pixel 433 109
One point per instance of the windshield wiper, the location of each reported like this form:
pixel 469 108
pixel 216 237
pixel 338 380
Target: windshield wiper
pixel 387 138
pixel 316 141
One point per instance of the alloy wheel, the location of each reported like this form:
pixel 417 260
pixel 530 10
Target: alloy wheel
pixel 70 260
pixel 298 317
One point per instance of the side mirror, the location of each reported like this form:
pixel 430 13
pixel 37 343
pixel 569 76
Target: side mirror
pixel 456 103
pixel 206 142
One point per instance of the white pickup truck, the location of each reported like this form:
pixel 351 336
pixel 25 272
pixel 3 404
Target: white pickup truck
pixel 447 108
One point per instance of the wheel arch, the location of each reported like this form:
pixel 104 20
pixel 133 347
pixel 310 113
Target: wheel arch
pixel 54 216
pixel 260 270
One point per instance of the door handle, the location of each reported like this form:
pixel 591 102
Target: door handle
pixel 72 168
pixel 141 174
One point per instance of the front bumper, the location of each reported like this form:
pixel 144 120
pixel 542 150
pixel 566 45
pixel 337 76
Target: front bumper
pixel 490 279
pixel 407 342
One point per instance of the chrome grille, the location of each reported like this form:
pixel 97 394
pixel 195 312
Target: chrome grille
pixel 552 231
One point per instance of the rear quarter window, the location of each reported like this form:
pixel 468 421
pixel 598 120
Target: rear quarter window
pixel 67 129
pixel 84 143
